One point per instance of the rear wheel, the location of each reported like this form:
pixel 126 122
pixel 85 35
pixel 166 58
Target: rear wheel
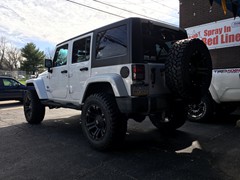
pixel 34 110
pixel 102 123
pixel 201 112
pixel 169 120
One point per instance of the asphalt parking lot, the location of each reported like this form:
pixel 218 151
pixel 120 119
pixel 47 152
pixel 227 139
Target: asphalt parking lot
pixel 56 149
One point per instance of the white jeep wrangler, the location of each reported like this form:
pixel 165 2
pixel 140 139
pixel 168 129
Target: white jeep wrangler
pixel 129 69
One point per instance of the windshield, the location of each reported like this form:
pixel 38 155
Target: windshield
pixel 157 41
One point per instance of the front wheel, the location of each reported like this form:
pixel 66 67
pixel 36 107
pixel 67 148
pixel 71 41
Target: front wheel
pixel 34 110
pixel 102 123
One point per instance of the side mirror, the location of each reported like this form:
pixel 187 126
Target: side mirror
pixel 49 64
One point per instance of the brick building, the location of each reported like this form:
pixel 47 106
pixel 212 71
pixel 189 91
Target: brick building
pixel 199 15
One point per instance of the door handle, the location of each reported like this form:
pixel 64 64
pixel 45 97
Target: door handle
pixel 64 71
pixel 84 69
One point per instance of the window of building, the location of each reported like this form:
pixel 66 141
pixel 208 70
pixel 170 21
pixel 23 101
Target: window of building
pixel 111 42
pixel 60 57
pixel 81 50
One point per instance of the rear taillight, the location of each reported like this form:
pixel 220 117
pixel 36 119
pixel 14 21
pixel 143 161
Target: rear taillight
pixel 138 72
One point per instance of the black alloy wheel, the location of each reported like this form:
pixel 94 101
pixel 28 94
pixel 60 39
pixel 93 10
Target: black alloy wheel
pixel 95 122
pixel 34 110
pixel 102 123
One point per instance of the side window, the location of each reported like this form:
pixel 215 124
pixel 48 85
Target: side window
pixel 112 42
pixel 60 57
pixel 9 83
pixel 81 50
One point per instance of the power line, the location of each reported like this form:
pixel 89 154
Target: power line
pixel 80 4
pixel 164 5
pixel 125 10
pixel 153 9
pixel 94 8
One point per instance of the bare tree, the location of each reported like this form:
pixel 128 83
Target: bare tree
pixel 49 53
pixel 13 58
pixel 3 48
pixel 10 56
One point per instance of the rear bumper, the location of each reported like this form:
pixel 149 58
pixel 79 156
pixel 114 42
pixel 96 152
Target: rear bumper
pixel 143 105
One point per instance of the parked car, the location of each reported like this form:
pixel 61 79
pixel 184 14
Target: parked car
pixel 11 89
pixel 129 69
pixel 21 76
pixel 222 99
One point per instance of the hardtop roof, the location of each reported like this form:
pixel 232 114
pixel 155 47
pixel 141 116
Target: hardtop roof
pixel 127 20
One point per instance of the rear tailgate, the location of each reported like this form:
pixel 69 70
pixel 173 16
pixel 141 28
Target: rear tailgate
pixel 156 79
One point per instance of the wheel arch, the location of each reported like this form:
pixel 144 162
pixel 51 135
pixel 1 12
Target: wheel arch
pixel 39 86
pixel 214 94
pixel 109 83
pixel 97 87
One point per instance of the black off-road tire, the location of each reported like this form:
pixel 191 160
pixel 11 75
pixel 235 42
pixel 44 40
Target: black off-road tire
pixel 203 111
pixel 189 69
pixel 171 119
pixel 102 123
pixel 34 110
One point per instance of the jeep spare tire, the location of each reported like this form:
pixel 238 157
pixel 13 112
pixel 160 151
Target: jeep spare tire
pixel 189 69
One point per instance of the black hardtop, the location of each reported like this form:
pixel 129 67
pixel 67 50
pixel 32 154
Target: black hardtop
pixel 130 20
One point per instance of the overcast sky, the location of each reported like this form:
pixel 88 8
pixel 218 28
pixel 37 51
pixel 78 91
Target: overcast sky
pixel 48 22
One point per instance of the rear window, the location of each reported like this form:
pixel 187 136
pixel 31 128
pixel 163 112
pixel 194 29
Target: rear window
pixel 157 41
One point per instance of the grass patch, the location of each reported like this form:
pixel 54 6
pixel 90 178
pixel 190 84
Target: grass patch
pixel 22 81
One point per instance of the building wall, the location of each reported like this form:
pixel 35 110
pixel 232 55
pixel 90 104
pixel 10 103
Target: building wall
pixel 198 12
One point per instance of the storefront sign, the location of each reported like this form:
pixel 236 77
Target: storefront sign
pixel 219 34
